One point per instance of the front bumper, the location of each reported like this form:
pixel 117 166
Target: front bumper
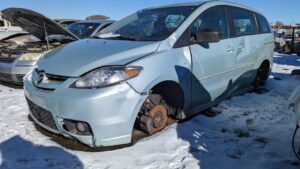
pixel 14 73
pixel 110 112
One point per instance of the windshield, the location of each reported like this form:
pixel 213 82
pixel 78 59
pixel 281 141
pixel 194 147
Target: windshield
pixel 83 30
pixel 149 24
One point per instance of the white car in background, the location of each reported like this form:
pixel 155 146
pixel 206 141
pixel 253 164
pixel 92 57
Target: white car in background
pixel 19 52
pixel 17 59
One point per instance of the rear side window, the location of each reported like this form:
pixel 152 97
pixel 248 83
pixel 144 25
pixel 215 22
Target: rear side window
pixel 243 22
pixel 213 18
pixel 264 26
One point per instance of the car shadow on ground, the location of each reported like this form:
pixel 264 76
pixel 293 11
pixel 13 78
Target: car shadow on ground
pixel 291 60
pixel 19 153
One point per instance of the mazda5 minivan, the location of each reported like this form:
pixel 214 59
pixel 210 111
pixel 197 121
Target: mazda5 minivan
pixel 158 63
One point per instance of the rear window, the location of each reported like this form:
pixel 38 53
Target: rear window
pixel 243 22
pixel 264 26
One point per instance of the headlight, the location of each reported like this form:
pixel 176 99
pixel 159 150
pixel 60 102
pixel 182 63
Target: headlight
pixel 106 76
pixel 30 56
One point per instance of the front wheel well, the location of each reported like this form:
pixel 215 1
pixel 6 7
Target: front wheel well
pixel 165 101
pixel 266 62
pixel 172 95
pixel 263 73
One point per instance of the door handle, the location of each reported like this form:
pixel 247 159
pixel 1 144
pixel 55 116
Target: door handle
pixel 230 49
pixel 241 47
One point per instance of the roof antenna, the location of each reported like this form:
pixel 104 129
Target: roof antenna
pixel 46 34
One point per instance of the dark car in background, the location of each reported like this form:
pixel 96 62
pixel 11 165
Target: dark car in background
pixel 85 29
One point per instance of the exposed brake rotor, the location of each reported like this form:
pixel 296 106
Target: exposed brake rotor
pixel 154 117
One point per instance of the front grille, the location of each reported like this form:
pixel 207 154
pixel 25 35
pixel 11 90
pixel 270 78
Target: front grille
pixel 52 77
pixel 7 56
pixel 42 115
pixel 20 77
pixel 6 77
pixel 56 78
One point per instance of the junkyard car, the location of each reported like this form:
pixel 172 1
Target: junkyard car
pixel 85 29
pixel 165 62
pixel 18 59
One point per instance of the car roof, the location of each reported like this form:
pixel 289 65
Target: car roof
pixel 198 4
pixel 180 5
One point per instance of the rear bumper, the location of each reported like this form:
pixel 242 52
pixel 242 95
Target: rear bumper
pixel 110 112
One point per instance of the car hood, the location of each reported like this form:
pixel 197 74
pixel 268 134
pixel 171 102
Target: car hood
pixel 82 56
pixel 35 23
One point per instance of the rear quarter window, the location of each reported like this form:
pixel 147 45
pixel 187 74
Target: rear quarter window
pixel 264 26
pixel 243 22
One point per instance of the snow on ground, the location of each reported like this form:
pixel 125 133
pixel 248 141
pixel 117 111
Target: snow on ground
pixel 253 131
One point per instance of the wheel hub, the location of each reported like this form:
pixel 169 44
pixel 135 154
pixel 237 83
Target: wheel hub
pixel 158 120
pixel 155 119
pixel 158 115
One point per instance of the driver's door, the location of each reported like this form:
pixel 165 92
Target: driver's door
pixel 212 62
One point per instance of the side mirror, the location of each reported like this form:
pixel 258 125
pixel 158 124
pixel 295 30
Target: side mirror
pixel 208 36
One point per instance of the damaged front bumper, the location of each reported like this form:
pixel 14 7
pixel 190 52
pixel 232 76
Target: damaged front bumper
pixel 110 112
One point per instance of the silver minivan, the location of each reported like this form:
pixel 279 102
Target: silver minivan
pixel 165 62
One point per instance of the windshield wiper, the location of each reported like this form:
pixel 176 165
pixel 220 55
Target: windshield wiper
pixel 115 36
pixel 126 38
pixel 95 37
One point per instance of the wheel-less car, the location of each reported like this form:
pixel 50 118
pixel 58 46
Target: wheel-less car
pixel 165 62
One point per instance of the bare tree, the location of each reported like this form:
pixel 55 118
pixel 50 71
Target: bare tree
pixel 97 17
pixel 279 24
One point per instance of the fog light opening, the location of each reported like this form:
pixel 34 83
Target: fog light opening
pixel 82 127
pixel 77 127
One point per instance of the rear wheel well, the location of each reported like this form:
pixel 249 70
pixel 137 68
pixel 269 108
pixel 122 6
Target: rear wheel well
pixel 266 62
pixel 262 74
pixel 172 95
pixel 265 66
